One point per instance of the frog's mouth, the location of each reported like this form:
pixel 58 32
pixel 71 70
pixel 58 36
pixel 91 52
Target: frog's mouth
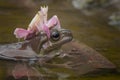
pixel 65 37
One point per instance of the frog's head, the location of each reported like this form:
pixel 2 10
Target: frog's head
pixel 44 34
pixel 58 37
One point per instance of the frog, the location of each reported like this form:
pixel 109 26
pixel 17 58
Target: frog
pixel 31 48
pixel 42 36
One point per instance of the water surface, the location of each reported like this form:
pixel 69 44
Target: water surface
pixel 89 27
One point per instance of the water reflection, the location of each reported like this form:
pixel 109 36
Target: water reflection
pixel 24 71
pixel 19 71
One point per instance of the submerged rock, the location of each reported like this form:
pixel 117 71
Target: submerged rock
pixel 114 19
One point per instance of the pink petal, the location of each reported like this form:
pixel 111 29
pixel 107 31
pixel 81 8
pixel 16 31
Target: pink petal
pixel 47 31
pixel 54 22
pixel 37 21
pixel 44 10
pixel 21 33
pixel 39 26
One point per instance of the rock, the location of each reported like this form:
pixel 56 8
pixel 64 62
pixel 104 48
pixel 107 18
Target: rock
pixel 114 19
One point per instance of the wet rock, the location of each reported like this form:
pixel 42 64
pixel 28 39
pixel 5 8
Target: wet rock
pixel 114 19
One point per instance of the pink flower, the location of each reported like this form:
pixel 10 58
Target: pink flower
pixel 20 33
pixel 54 22
pixel 39 23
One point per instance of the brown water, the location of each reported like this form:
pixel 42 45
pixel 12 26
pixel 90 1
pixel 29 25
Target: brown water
pixel 89 27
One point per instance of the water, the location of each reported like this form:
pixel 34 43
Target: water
pixel 88 26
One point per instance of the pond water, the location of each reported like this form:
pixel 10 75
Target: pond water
pixel 88 26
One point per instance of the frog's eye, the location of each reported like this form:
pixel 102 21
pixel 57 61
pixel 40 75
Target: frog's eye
pixel 55 35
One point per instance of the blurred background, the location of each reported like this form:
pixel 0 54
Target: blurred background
pixel 93 22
